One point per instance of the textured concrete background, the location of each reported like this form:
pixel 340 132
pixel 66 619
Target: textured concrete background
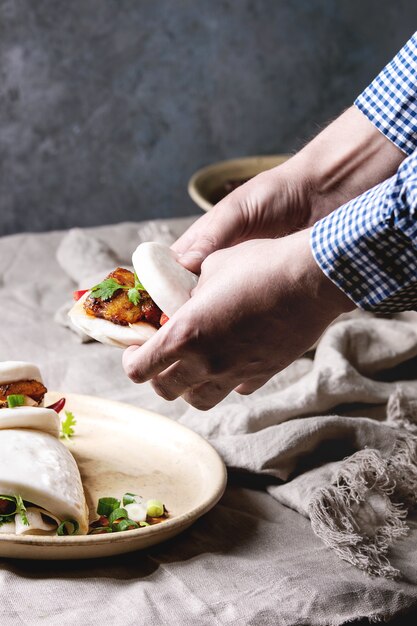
pixel 109 106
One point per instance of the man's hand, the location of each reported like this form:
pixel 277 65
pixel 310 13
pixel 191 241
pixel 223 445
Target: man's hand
pixel 257 307
pixel 272 204
pixel 344 160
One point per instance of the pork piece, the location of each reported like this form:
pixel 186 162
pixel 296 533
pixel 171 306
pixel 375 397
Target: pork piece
pixel 32 388
pixel 118 309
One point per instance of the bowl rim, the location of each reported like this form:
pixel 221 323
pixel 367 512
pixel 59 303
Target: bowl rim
pixel 206 170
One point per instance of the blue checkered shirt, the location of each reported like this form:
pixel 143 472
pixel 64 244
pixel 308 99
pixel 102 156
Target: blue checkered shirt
pixel 368 247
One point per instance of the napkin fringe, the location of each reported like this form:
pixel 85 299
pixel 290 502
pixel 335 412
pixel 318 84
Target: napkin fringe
pixel 366 475
pixel 334 514
pixel 402 414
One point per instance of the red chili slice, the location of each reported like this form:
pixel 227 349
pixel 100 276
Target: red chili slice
pixel 57 406
pixel 79 294
pixel 101 522
pixel 164 318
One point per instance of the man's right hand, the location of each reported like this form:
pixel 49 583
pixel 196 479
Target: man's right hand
pixel 344 160
pixel 272 204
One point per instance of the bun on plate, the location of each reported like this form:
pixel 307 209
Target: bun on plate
pixel 21 378
pixel 127 308
pixel 38 468
pixel 35 418
pixel 40 485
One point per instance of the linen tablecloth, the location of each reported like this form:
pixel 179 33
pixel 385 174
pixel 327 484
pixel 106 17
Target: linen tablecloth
pixel 251 560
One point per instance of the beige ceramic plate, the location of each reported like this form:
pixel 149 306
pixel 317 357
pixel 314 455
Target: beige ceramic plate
pixel 121 448
pixel 204 186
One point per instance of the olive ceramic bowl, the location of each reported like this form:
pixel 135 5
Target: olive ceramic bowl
pixel 209 184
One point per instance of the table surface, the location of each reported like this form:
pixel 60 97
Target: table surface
pixel 250 560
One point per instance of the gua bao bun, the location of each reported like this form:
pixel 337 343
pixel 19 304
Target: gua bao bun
pixel 166 282
pixel 108 332
pixel 33 417
pixel 20 377
pixel 11 371
pixel 38 474
pixel 38 467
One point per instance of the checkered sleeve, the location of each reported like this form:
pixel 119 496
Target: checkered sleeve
pixel 390 101
pixel 368 247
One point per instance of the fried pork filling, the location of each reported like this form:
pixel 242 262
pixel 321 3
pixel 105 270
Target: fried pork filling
pixel 33 390
pixel 119 309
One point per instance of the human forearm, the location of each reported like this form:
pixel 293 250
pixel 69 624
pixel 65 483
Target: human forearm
pixel 348 157
pixel 361 148
pixel 367 143
pixel 345 159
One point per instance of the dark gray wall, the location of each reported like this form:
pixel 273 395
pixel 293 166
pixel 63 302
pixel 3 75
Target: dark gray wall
pixel 109 106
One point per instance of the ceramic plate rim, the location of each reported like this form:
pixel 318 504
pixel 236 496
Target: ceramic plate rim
pixel 179 522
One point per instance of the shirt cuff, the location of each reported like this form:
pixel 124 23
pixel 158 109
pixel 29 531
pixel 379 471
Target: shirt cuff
pixel 390 101
pixel 364 249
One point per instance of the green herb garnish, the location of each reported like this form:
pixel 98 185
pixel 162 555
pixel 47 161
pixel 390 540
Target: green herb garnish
pixel 117 514
pixel 67 430
pixel 68 527
pixel 129 498
pixel 126 524
pixel 106 506
pixel 155 508
pixel 15 399
pixel 134 294
pixel 21 510
pixel 108 287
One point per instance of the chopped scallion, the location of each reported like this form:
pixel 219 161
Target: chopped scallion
pixel 127 524
pixel 68 527
pixel 155 508
pixel 129 498
pixel 117 514
pixel 106 506
pixel 15 399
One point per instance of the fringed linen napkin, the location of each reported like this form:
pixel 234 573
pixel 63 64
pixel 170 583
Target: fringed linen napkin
pixel 339 433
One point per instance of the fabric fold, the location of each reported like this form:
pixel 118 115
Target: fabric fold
pixel 319 427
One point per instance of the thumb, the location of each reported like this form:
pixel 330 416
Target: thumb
pixel 193 258
pixel 220 228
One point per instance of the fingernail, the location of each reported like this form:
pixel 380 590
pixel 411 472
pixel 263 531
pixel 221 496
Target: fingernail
pixel 192 255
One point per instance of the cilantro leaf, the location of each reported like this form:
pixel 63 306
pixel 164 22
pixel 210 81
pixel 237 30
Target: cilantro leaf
pixel 21 510
pixel 133 296
pixel 138 284
pixel 67 430
pixel 106 289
